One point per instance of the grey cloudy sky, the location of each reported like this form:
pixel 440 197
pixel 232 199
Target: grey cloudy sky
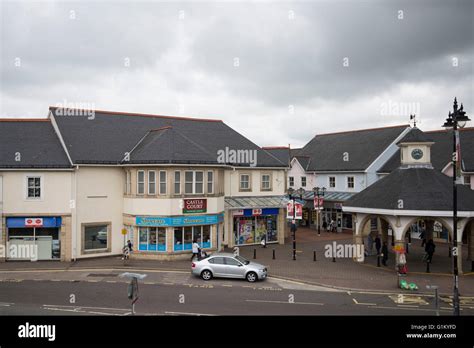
pixel 278 72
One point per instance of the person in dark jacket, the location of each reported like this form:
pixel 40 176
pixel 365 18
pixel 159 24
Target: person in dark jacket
pixel 430 249
pixel 384 254
pixel 378 244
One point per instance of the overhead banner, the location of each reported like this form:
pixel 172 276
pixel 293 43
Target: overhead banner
pixel 297 214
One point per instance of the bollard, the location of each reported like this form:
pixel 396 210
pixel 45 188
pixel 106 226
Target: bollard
pixel 472 266
pixel 254 253
pixel 428 266
pixel 406 247
pixel 273 254
pixel 449 251
pixel 333 259
pixel 314 255
pixel 378 260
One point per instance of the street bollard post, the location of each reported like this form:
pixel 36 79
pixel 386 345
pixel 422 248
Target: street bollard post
pixel 273 254
pixel 254 253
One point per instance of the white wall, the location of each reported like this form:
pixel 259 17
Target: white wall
pixel 100 199
pixel 232 181
pixel 167 207
pixel 56 193
pixel 360 182
pixel 297 171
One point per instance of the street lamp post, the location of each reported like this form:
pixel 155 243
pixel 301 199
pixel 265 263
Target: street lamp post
pixel 319 192
pixel 455 119
pixel 291 193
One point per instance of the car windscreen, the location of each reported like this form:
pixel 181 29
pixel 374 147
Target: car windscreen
pixel 242 259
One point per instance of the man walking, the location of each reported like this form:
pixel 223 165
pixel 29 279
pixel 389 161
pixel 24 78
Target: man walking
pixel 378 244
pixel 384 254
pixel 196 249
pixel 430 249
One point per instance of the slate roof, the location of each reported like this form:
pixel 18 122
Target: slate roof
pixel 415 135
pixel 326 151
pixel 36 142
pixel 280 152
pixel 107 136
pixel 441 150
pixel 304 161
pixel 418 188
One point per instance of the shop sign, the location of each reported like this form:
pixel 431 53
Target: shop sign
pixel 238 212
pixel 158 221
pixel 318 203
pixel 337 205
pixel 256 211
pixel 298 211
pixel 33 222
pixel 194 206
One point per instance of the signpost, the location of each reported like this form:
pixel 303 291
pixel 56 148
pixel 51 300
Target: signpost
pixel 132 289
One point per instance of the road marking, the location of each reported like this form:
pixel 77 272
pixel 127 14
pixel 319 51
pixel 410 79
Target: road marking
pixel 403 308
pixel 111 281
pixel 189 313
pixel 86 307
pixel 149 283
pixel 6 304
pixel 168 283
pixel 363 303
pixel 407 299
pixel 227 285
pixel 286 302
pixel 55 280
pixel 405 305
pixel 92 281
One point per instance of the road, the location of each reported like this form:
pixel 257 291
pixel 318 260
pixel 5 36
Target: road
pixel 179 293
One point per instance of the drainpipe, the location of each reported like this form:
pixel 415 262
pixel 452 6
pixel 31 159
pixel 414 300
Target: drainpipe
pixel 74 215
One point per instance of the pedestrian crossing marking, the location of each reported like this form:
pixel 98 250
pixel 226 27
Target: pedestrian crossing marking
pixel 407 299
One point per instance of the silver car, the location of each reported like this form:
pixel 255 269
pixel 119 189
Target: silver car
pixel 227 265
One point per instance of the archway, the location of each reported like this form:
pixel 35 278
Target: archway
pixel 374 225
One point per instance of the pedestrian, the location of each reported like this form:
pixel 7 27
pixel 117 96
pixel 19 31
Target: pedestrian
pixel 196 249
pixel 263 241
pixel 423 237
pixel 333 225
pixel 384 254
pixel 378 244
pixel 325 224
pixel 129 244
pixel 430 249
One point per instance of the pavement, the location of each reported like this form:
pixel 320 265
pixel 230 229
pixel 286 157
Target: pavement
pixel 343 274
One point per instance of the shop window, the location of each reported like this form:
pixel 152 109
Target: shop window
pixel 141 182
pixel 244 182
pixel 177 183
pixel 151 182
pixel 210 182
pixel 292 181
pixel 184 237
pixel 266 182
pixel 332 181
pixel 350 182
pixel 162 182
pixel 33 187
pixel 253 229
pixel 95 237
pixel 152 239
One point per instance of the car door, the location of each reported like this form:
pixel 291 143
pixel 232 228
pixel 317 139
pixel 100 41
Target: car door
pixel 218 267
pixel 234 268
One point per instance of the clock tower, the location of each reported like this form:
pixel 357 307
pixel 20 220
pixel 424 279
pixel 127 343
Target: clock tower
pixel 415 149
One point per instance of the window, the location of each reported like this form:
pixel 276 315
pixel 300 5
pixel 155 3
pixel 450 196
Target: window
pixel 184 236
pixel 128 182
pixel 152 239
pixel 467 180
pixel 177 183
pixel 96 237
pixel 199 179
pixel 266 182
pixel 245 182
pixel 193 182
pixel 332 181
pixel 151 182
pixel 210 182
pixel 33 187
pixel 188 182
pixel 231 262
pixel 303 181
pixel 292 181
pixel 350 182
pixel 162 182
pixel 141 182
pixel 217 260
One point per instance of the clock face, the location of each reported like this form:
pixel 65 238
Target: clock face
pixel 417 154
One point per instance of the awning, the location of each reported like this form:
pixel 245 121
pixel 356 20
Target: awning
pixel 332 196
pixel 256 202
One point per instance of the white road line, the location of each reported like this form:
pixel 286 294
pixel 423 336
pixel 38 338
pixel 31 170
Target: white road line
pixel 188 313
pixel 363 303
pixel 87 307
pixel 405 305
pixel 402 308
pixel 286 302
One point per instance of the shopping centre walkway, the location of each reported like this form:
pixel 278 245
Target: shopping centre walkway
pixel 343 273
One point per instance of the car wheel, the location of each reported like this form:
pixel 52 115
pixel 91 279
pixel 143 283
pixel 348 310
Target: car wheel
pixel 206 275
pixel 251 277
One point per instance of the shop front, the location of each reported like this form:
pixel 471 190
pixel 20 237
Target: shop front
pixel 166 236
pixel 33 238
pixel 251 226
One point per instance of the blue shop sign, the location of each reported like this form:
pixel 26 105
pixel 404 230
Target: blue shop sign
pixel 159 221
pixel 265 211
pixel 21 222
